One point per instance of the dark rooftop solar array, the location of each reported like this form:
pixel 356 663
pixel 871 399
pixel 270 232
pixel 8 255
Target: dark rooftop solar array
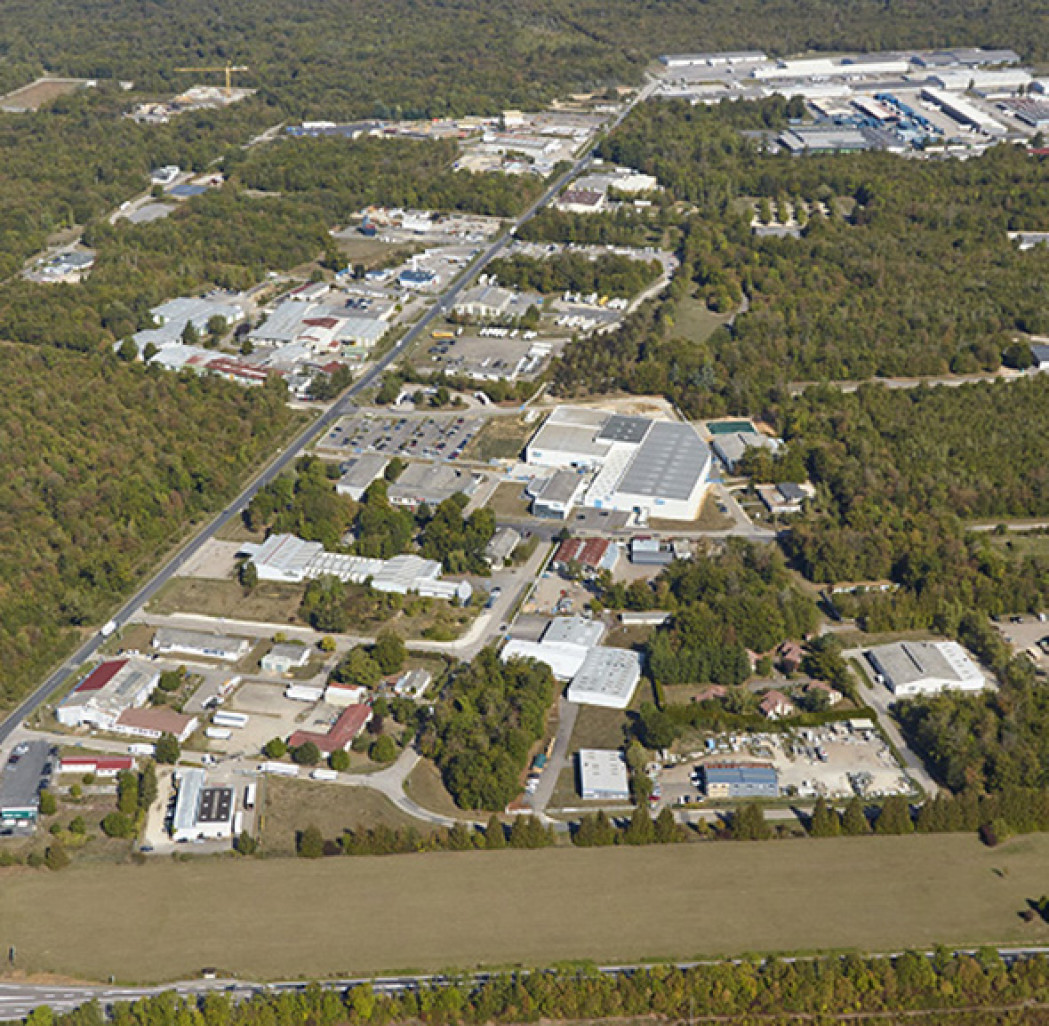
pixel 216 805
pixel 619 428
pixel 668 464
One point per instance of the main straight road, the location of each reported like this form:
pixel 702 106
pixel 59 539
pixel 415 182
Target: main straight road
pixel 17 1000
pixel 285 457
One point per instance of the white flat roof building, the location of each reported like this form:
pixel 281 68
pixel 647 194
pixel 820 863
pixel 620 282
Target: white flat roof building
pixel 576 630
pixel 285 657
pixel 283 557
pixel 359 473
pixel 201 812
pixel 656 467
pixel 603 775
pixel 564 658
pixel 607 678
pixel 912 668
pixel 172 641
pixel 555 496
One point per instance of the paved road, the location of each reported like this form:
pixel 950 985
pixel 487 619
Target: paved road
pixel 950 380
pixel 18 999
pixel 566 717
pixel 285 457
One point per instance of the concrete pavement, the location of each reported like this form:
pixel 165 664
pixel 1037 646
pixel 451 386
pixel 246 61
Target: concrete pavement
pixel 567 712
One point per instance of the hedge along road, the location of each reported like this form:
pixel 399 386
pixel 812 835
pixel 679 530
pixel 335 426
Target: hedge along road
pixel 283 918
pixel 285 457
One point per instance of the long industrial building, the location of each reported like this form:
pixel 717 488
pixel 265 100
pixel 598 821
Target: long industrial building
pixel 644 466
pixel 287 558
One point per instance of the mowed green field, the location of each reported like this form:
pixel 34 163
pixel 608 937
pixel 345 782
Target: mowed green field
pixel 288 918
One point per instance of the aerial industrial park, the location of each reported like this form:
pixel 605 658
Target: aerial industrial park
pixel 542 556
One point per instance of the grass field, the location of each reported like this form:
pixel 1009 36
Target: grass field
pixel 268 602
pixel 33 96
pixel 291 918
pixel 502 438
pixel 694 321
pixel 509 500
pixel 709 519
pixel 293 805
pixel 424 785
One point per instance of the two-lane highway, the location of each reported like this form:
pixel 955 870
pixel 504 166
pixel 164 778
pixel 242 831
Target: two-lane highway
pixel 293 449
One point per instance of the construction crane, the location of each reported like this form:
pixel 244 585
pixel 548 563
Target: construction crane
pixel 228 68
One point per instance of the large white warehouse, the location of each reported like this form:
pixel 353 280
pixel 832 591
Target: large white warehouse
pixel 913 668
pixel 652 467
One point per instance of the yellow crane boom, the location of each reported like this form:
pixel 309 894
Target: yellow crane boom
pixel 228 68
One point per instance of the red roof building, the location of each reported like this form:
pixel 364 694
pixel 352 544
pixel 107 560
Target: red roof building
pixel 352 720
pixel 775 706
pixel 101 675
pixel 592 554
pixel 100 765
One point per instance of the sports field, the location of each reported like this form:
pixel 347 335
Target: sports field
pixel 287 918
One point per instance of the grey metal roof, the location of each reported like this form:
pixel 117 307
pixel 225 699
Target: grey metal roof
pixel 791 491
pixel 431 483
pixel 187 799
pixel 668 464
pixel 560 487
pixel 608 673
pixel 576 630
pixel 740 774
pixel 198 641
pixel 620 428
pixel 360 472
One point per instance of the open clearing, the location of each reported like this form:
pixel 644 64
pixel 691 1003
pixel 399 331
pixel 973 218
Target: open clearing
pixel 290 806
pixel 530 907
pixel 33 96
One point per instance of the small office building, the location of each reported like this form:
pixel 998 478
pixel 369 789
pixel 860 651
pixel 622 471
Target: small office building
pixel 603 775
pixel 201 812
pixel 731 780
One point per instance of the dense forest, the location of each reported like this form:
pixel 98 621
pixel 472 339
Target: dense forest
pixel 903 268
pixel 961 989
pixel 724 603
pixel 104 465
pixel 609 274
pixel 484 726
pixel 340 177
pixel 430 58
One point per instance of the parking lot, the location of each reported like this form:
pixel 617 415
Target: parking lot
pixel 836 761
pixel 437 436
pixel 1026 634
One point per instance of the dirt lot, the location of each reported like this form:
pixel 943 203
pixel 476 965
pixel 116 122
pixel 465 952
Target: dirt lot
pixel 268 602
pixel 869 893
pixel 502 438
pixel 216 560
pixel 33 96
pixel 551 589
pixel 796 757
